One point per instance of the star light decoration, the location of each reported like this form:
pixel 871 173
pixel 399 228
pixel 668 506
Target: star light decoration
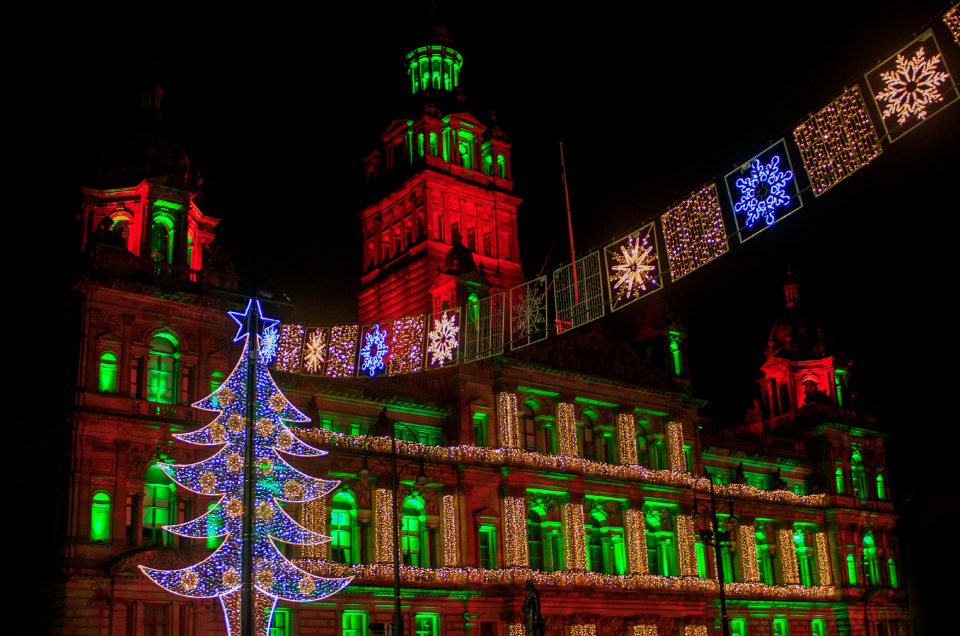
pixel 911 87
pixel 375 349
pixel 222 475
pixel 633 266
pixel 444 338
pixel 315 351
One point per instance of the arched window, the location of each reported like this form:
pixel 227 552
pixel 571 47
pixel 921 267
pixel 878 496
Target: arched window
pixel 892 567
pixel 216 379
pixel 162 238
pixel 501 167
pixel 158 502
pixel 661 556
pixel 420 144
pixel 851 570
pixel 871 568
pixel 100 516
pixel 214 526
pixel 765 558
pixel 535 539
pixel 839 476
pixel 881 489
pixel 804 554
pixel 859 476
pixel 434 148
pixel 108 372
pixel 162 366
pixel 595 560
pixel 412 529
pixel 343 516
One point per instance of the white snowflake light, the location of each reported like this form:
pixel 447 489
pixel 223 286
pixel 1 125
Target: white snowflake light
pixel 375 349
pixel 763 191
pixel 268 344
pixel 634 266
pixel 444 339
pixel 912 86
pixel 530 317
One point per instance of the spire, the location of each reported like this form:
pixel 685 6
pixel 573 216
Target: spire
pixel 792 290
pixel 151 95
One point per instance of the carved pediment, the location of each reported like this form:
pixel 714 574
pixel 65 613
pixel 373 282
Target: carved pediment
pixel 161 559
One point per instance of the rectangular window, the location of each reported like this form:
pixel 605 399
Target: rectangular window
pixel 609 449
pixel 589 450
pixel 186 394
pixel 488 547
pixel 780 627
pixel 472 238
pixel 160 380
pixel 327 423
pixel 156 512
pixel 280 624
pixel 488 243
pixel 480 430
pixel 529 434
pixel 738 627
pixel 550 439
pixel 701 559
pixel 354 624
pixel 135 377
pixel 427 624
pixel 818 627
pixel 156 620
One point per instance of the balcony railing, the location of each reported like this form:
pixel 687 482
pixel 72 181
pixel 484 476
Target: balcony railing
pixel 120 262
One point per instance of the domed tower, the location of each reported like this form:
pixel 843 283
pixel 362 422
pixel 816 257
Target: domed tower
pixel 662 339
pixel 802 367
pixel 440 179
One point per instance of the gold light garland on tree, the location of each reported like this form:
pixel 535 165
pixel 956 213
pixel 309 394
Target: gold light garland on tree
pixel 448 528
pixel 627 438
pixel 694 232
pixel 515 531
pixel 686 546
pixel 747 547
pixel 567 430
pixel 837 141
pixel 289 348
pixel 823 560
pixel 383 524
pixel 788 557
pixel 313 516
pixel 636 531
pixel 675 454
pixel 576 548
pixel 507 422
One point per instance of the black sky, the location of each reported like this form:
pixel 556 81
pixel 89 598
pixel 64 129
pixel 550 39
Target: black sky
pixel 276 112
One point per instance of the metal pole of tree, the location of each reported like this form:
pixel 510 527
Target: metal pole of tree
pixel 720 538
pixel 573 252
pixel 247 602
pixel 397 622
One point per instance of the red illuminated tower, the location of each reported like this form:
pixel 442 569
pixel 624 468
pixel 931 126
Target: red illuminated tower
pixel 439 180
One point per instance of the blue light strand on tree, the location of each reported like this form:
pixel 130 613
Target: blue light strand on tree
pixel 274 576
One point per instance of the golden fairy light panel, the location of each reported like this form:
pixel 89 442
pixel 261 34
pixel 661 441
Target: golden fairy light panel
pixel 823 560
pixel 837 141
pixel 289 348
pixel 686 546
pixel 676 456
pixel 788 557
pixel 449 531
pixel 342 352
pixel 636 531
pixel 583 630
pixel 406 345
pixel 644 630
pixel 383 520
pixel 747 547
pixel 567 430
pixel 627 438
pixel 694 232
pixel 507 420
pixel 576 547
pixel 515 529
pixel 313 516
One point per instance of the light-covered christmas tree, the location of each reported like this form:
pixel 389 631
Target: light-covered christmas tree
pixel 273 575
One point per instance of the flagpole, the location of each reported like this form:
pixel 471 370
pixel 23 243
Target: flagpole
pixel 573 252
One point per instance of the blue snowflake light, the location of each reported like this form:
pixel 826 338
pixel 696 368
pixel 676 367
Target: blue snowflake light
pixel 763 191
pixel 375 349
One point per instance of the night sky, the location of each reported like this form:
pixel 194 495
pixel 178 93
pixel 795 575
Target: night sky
pixel 276 113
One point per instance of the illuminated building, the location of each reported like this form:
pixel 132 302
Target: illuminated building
pixel 570 461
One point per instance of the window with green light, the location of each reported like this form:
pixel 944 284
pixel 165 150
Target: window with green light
pixel 162 238
pixel 804 551
pixel 851 570
pixel 354 623
pixel 157 503
pixel 465 149
pixel 871 567
pixel 501 167
pixel 100 510
pixel 701 554
pixel 214 526
pixel 488 165
pixel 412 530
pixel 108 372
pixel 738 627
pixel 677 354
pixel 766 553
pixel 881 489
pixel 535 539
pixel 839 479
pixel 661 542
pixel 343 514
pixel 859 474
pixel 892 568
pixel 487 535
pixel 326 423
pixel 434 146
pixel 780 627
pixel 480 430
pixel 427 624
pixel 818 627
pixel 420 144
pixel 280 623
pixel 162 366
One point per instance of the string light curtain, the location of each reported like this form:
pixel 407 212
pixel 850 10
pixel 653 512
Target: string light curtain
pixel 695 630
pixel 507 420
pixel 289 348
pixel 635 529
pixel 694 232
pixel 788 558
pixel 676 456
pixel 313 516
pixel 515 532
pixel 583 630
pixel 747 546
pixel 567 430
pixel 575 549
pixel 952 19
pixel 686 547
pixel 837 141
pixel 383 525
pixel 448 528
pixel 644 630
pixel 626 436
pixel 823 560
pixel 406 345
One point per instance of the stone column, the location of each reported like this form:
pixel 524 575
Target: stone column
pixel 125 345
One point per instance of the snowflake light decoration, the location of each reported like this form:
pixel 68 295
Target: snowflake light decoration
pixel 529 313
pixel 444 339
pixel 763 191
pixel 315 351
pixel 375 349
pixel 268 345
pixel 634 266
pixel 912 86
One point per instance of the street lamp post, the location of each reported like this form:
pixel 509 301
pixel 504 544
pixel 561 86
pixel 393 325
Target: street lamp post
pixel 716 538
pixel 384 426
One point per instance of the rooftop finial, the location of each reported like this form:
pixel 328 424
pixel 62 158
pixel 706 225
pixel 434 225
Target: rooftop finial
pixel 792 290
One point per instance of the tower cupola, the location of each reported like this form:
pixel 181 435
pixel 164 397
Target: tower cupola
pixel 434 65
